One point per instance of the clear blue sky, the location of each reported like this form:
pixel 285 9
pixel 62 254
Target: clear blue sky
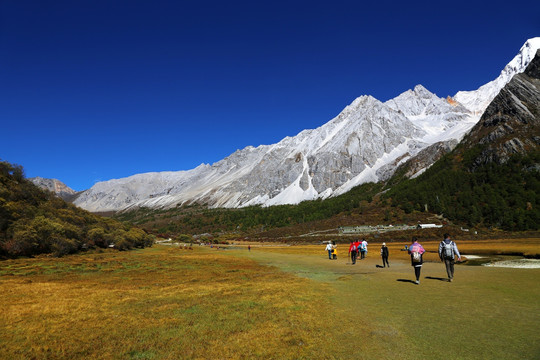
pixel 93 90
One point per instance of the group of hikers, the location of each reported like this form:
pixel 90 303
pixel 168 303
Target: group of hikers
pixel 447 253
pixel 358 248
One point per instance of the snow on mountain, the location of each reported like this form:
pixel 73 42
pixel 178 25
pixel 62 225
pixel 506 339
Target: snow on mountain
pixel 439 118
pixel 345 152
pixel 367 141
pixel 478 100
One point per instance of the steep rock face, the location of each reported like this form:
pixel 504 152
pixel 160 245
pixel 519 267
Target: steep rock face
pixel 511 123
pixel 421 103
pixel 328 157
pixel 54 185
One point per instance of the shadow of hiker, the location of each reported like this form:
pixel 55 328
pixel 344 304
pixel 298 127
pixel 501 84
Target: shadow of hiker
pixel 436 278
pixel 406 280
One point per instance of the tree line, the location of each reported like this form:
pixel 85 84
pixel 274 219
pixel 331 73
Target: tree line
pixel 198 219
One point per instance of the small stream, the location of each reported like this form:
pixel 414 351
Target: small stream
pixel 507 261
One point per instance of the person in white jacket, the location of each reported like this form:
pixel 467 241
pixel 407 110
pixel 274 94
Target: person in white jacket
pixel 363 249
pixel 329 249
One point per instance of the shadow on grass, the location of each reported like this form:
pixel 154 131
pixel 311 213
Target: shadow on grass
pixel 436 278
pixel 406 280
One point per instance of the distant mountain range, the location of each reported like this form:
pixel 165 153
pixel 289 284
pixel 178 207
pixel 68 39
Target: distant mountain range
pixel 366 142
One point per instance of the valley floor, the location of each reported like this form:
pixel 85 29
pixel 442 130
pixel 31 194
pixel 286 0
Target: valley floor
pixel 273 302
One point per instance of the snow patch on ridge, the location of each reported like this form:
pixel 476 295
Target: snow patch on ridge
pixel 294 194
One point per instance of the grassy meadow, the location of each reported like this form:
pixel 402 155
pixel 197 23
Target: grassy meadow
pixel 273 302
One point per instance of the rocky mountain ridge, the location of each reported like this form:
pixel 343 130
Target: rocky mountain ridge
pixel 478 100
pixel 511 123
pixel 367 141
pixel 491 178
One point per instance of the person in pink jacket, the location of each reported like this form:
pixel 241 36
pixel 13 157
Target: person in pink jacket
pixel 416 250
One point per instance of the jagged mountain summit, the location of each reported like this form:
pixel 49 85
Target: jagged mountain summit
pixel 366 142
pixel 511 123
pixel 478 100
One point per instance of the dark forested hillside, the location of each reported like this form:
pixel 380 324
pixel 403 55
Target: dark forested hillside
pixel 500 195
pixel 33 221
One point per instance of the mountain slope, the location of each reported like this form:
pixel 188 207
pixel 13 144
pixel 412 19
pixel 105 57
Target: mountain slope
pixel 366 142
pixel 349 150
pixel 492 177
pixel 478 100
pixel 511 123
pixel 54 185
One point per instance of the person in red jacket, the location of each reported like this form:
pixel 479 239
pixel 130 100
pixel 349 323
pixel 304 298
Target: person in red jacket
pixel 353 252
pixel 358 246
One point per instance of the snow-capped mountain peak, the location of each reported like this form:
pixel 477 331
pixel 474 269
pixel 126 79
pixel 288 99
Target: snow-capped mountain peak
pixel 367 141
pixel 478 100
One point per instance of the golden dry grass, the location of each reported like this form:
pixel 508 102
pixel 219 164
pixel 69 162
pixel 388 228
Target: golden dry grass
pixel 275 302
pixel 156 303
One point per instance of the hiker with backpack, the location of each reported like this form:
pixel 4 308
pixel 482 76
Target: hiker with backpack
pixel 384 255
pixel 363 249
pixel 353 251
pixel 416 250
pixel 357 243
pixel 447 249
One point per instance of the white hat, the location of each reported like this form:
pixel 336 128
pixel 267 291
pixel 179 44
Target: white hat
pixel 383 244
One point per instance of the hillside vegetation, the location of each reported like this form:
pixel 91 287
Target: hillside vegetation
pixel 199 219
pixel 33 222
pixel 505 196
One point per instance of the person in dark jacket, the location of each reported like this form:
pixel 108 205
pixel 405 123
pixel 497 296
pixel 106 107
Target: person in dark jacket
pixel 384 255
pixel 417 259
